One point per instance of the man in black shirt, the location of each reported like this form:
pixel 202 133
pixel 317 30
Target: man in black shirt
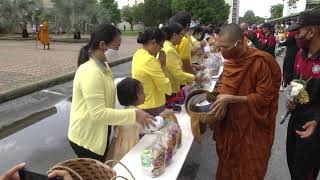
pixel 303 136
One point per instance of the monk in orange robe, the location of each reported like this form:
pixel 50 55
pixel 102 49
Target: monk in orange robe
pixel 246 108
pixel 43 34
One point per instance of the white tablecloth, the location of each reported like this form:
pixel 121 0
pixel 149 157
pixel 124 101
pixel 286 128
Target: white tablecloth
pixel 133 162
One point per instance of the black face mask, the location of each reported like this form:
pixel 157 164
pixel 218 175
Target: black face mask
pixel 303 43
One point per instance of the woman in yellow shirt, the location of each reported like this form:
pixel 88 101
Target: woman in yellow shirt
pixel 173 62
pixel 151 71
pixel 93 99
pixel 197 45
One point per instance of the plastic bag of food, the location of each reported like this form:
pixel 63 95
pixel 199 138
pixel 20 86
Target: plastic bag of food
pixel 171 138
pixel 153 159
pixel 175 130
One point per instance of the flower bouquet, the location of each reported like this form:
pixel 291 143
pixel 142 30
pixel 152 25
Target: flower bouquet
pixel 296 92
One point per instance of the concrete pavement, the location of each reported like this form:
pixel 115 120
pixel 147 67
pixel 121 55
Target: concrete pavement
pixel 21 63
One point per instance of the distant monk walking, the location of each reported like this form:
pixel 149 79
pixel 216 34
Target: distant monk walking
pixel 43 34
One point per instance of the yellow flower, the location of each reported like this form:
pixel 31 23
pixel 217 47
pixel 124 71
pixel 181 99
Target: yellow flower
pixel 303 97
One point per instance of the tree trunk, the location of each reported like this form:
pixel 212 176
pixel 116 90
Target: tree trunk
pixel 131 24
pixel 25 33
pixel 24 30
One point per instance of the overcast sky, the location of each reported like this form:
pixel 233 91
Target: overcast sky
pixel 260 7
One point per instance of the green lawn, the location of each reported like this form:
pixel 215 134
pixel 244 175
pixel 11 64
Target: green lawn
pixel 130 33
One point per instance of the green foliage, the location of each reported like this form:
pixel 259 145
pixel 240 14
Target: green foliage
pixel 111 6
pixel 293 3
pixel 249 17
pixel 137 12
pixel 15 13
pixel 276 11
pixel 156 12
pixel 207 11
pixel 73 14
pixel 133 14
pixel 127 15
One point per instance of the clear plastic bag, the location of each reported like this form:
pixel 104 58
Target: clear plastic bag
pixel 153 159
pixel 171 138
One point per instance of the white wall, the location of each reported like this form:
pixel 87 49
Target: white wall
pixel 136 27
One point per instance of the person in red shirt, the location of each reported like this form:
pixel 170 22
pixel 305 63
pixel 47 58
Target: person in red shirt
pixel 303 135
pixel 268 42
pixel 259 32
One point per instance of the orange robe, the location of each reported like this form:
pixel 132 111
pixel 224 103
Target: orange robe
pixel 245 136
pixel 43 34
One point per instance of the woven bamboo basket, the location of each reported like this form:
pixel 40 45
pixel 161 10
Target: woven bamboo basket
pixel 89 169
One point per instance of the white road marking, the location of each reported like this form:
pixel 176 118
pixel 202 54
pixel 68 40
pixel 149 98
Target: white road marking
pixel 52 92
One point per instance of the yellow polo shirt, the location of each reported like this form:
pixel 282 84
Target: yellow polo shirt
pixel 93 107
pixel 147 69
pixel 174 65
pixel 184 48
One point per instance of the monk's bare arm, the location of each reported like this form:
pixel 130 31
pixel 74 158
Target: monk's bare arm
pixel 239 99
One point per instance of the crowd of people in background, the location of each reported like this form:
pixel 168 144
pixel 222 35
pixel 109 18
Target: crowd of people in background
pixel 246 108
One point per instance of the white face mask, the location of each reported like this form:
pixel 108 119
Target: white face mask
pixel 111 55
pixel 198 36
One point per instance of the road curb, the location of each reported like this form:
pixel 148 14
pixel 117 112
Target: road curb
pixel 46 83
pixel 63 40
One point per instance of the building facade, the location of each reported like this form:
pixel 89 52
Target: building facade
pixel 234 11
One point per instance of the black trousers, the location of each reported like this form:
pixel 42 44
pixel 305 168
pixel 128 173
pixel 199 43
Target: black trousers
pixel 303 155
pixel 82 152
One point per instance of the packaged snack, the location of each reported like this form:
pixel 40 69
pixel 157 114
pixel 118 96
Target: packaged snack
pixel 171 138
pixel 153 159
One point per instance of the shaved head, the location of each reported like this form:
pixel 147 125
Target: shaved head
pixel 231 33
pixel 244 26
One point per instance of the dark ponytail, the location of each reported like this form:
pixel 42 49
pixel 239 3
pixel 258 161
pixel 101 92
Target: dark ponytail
pixel 171 29
pixel 106 33
pixel 151 34
pixel 84 52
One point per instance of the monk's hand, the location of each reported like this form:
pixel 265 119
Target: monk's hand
pixel 290 105
pixel 219 107
pixel 309 129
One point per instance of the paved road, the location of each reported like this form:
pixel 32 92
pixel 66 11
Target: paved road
pixel 44 144
pixel 21 63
